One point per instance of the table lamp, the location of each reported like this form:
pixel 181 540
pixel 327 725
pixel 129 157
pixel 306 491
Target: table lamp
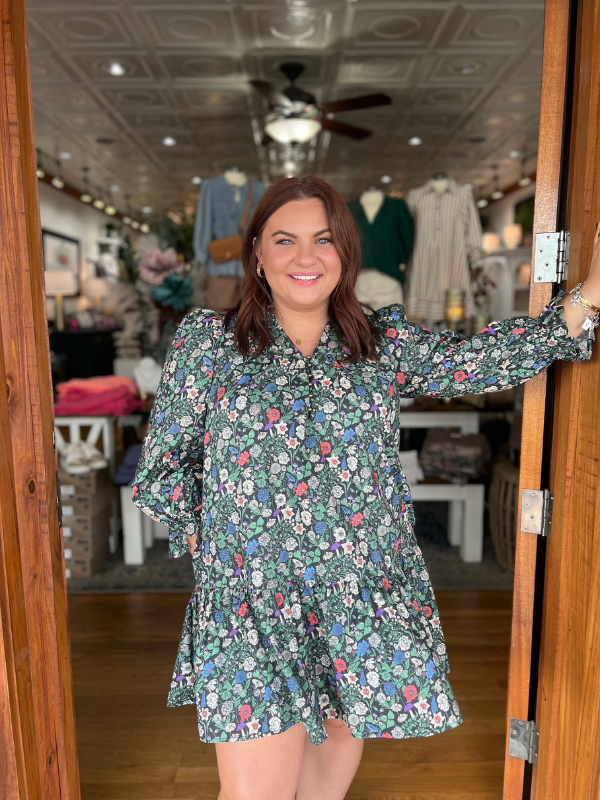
pixel 512 235
pixel 60 283
pixel 455 307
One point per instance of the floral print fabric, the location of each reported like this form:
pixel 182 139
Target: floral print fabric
pixel 312 600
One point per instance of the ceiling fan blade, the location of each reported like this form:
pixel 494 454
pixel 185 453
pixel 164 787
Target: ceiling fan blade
pixel 355 103
pixel 346 130
pixel 273 97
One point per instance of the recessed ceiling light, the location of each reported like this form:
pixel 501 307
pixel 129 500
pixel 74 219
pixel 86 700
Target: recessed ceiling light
pixel 116 69
pixel 497 195
pixel 415 141
pixel 515 154
pixel 525 181
pixel 196 180
pixel 146 209
pixel 386 179
pixel 115 188
pixel 144 227
pixel 127 220
pixel 482 203
pixel 40 173
pixel 467 69
pixel 135 224
pixel 99 204
pixel 65 156
pixel 169 141
pixel 58 182
pixel 86 198
pixel 110 210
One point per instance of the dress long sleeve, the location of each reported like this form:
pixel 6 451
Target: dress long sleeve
pixel 503 355
pixel 203 224
pixel 168 480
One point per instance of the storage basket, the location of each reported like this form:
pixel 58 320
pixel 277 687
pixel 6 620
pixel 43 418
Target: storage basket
pixel 503 505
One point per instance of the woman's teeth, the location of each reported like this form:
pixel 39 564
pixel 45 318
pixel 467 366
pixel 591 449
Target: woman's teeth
pixel 305 277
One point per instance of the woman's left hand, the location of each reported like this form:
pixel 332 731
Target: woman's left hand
pixel 591 287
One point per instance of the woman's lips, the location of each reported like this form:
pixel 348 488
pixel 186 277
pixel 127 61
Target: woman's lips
pixel 300 282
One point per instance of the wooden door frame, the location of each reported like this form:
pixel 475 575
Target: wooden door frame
pixel 38 755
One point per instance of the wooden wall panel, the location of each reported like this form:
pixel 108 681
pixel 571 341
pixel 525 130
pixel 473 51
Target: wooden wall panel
pixel 568 707
pixel 37 679
pixel 545 219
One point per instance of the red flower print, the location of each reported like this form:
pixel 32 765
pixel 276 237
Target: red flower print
pixel 273 415
pixel 415 605
pixel 176 493
pixel 460 375
pixel 385 583
pixel 206 437
pixel 312 618
pixel 238 559
pixel 243 458
pixel 391 332
pixel 243 609
pixel 135 491
pixel 245 712
pixel 517 331
pixel 401 377
pixel 279 599
pixel 356 519
pixel 301 489
pixel 410 692
pixel 386 736
pixel 220 393
pixel 427 611
pixel 340 664
pixel 325 448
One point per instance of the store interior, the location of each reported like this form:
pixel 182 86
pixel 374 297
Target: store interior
pixel 159 126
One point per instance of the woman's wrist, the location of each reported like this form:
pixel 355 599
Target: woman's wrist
pixel 591 290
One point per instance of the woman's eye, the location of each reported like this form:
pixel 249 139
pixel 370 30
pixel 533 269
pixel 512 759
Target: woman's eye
pixel 282 241
pixel 325 239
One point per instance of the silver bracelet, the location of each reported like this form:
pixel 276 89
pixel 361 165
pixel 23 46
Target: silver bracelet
pixel 592 318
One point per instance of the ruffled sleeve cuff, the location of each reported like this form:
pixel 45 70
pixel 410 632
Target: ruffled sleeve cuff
pixel 568 348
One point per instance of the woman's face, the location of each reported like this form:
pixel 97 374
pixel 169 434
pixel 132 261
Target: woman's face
pixel 299 258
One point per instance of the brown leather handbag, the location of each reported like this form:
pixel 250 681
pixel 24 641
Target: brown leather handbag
pixel 230 247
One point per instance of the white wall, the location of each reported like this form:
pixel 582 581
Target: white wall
pixel 502 212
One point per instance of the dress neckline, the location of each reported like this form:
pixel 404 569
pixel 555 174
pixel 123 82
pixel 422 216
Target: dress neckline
pixel 279 335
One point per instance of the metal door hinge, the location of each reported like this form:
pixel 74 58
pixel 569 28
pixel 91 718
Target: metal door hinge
pixel 524 739
pixel 551 261
pixel 536 511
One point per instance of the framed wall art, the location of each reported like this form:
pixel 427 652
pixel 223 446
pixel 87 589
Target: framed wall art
pixel 61 252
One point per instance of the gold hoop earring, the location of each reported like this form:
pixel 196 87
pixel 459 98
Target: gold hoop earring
pixel 259 267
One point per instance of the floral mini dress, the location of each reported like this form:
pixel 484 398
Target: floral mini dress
pixel 312 599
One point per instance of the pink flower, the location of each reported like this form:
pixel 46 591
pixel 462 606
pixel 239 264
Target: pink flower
pixel 427 611
pixel 156 265
pixel 245 712
pixel 301 489
pixel 517 331
pixel 273 415
pixel 356 519
pixel 391 332
pixel 243 458
pixel 243 609
pixel 410 692
pixel 177 493
pixel 460 376
pixel 400 377
pixel 340 664
pixel 312 618
pixel 325 448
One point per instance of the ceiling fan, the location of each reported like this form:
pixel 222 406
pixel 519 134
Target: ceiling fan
pixel 295 116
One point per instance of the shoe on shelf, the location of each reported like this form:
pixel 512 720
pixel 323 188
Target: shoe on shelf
pixel 80 457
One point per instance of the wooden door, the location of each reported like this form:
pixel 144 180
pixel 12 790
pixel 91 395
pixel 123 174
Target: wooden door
pixel 556 681
pixel 38 758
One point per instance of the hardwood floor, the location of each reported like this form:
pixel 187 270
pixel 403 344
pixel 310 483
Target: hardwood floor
pixel 132 747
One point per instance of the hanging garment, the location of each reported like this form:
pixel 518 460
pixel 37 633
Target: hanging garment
pixel 312 599
pixel 386 241
pixel 219 214
pixel 447 245
pixel 377 289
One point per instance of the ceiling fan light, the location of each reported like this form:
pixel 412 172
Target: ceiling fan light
pixel 286 130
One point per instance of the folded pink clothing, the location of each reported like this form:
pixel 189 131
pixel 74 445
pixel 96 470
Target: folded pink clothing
pixel 83 387
pixel 109 403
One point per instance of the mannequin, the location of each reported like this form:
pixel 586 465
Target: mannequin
pixel 386 232
pixel 371 200
pixel 220 212
pixel 447 246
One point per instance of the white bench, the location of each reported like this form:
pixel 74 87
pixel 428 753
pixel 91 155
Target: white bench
pixel 139 530
pixel 465 528
pixel 465 524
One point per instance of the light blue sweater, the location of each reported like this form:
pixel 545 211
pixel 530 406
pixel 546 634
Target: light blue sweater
pixel 219 215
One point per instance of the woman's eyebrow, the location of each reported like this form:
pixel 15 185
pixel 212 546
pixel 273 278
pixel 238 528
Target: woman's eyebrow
pixel 293 235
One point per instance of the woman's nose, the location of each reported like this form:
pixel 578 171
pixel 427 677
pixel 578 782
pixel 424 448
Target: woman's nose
pixel 305 256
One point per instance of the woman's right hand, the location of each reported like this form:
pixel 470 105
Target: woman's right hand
pixel 192 542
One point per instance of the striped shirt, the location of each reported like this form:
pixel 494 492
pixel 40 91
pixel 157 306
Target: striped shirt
pixel 447 245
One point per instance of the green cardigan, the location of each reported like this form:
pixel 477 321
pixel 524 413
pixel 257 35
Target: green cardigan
pixel 387 241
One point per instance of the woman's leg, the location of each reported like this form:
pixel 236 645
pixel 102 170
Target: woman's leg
pixel 328 768
pixel 262 769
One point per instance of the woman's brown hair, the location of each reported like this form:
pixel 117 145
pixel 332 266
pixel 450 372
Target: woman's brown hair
pixel 352 326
